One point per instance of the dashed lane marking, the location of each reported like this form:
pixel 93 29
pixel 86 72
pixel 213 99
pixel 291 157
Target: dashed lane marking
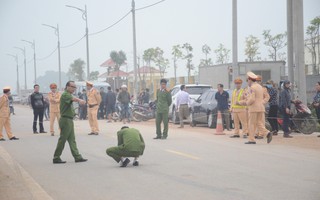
pixel 183 154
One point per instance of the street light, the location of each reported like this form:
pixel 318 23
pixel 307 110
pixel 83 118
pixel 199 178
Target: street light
pixel 85 17
pixel 18 84
pixel 33 45
pixel 59 58
pixel 25 65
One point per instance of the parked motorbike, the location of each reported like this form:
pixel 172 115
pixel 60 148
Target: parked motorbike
pixel 302 121
pixel 144 112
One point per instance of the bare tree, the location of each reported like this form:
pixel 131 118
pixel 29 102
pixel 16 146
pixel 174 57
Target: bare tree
pixel 222 54
pixel 275 42
pixel 177 54
pixel 207 61
pixel 252 47
pixel 188 56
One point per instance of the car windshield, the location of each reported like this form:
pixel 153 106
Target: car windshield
pixel 197 90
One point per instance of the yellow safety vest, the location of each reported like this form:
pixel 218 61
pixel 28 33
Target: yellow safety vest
pixel 239 95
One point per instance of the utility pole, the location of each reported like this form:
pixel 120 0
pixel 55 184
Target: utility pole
pixel 235 67
pixel 290 41
pixel 298 51
pixel 33 45
pixel 134 49
pixel 85 17
pixel 59 57
pixel 18 84
pixel 25 65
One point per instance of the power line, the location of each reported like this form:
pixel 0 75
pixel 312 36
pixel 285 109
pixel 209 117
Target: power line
pixel 122 18
pixel 70 45
pixel 149 5
pixel 40 59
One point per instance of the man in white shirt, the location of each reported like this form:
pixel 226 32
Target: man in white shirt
pixel 182 104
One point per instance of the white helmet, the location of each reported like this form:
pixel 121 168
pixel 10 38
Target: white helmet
pixel 123 86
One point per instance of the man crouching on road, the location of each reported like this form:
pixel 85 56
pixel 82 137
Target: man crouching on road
pixel 130 144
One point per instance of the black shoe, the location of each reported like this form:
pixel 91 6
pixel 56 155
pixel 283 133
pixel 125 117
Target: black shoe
pixel 163 138
pixel 269 137
pixel 14 138
pixel 259 137
pixel 125 162
pixel 245 136
pixel 250 142
pixel 157 138
pixel 274 132
pixel 58 161
pixel 43 132
pixel 2 139
pixel 91 133
pixel 287 136
pixel 235 136
pixel 136 163
pixel 81 160
pixel 318 135
pixel 35 132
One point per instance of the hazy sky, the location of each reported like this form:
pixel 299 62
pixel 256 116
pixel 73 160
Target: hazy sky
pixel 169 23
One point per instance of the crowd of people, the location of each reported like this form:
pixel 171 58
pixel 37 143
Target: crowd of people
pixel 248 108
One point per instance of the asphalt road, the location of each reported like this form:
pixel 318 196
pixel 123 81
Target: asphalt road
pixel 192 163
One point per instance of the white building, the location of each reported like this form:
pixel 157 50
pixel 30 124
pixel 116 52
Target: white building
pixel 213 75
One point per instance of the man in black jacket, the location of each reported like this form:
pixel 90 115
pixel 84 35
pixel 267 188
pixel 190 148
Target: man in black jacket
pixel 284 106
pixel 110 103
pixel 37 103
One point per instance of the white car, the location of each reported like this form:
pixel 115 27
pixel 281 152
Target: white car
pixel 194 90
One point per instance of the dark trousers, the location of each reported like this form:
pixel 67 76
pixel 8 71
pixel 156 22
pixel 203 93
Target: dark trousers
pixel 272 117
pixel 83 111
pixel 286 121
pixel 101 112
pixel 125 111
pixel 38 113
pixel 318 114
pixel 162 117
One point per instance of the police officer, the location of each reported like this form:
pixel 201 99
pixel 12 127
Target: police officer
pixel 5 115
pixel 94 100
pixel 54 99
pixel 130 144
pixel 163 100
pixel 256 109
pixel 239 112
pixel 66 125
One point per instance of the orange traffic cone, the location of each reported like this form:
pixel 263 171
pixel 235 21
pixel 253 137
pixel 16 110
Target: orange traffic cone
pixel 219 127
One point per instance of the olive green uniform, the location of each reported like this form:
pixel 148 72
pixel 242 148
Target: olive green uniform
pixel 67 128
pixel 130 144
pixel 164 100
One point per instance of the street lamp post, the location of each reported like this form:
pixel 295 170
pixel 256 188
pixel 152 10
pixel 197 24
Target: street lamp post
pixel 85 17
pixel 33 45
pixel 59 57
pixel 25 65
pixel 18 84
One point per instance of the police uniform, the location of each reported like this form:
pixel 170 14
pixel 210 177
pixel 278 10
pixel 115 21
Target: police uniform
pixel 266 98
pixel 164 100
pixel 239 112
pixel 67 129
pixel 94 100
pixel 54 99
pixel 5 115
pixel 256 110
pixel 130 144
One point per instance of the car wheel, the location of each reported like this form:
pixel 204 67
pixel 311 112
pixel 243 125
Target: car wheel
pixel 174 116
pixel 192 121
pixel 210 121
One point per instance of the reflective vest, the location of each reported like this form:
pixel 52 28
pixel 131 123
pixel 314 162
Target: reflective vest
pixel 238 97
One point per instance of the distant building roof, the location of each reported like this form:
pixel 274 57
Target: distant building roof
pixel 109 63
pixel 119 73
pixel 146 70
